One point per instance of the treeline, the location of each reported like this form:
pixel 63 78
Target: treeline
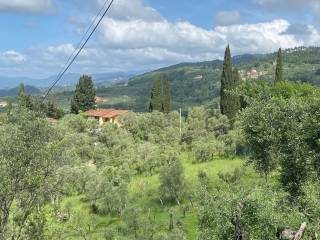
pixel 48 108
pixel 160 99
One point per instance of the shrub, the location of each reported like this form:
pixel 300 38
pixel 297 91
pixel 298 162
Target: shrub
pixel 206 148
pixel 73 122
pixel 107 190
pixel 239 212
pixel 172 181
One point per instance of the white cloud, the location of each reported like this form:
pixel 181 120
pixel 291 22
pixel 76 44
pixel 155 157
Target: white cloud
pixel 132 10
pixel 27 6
pixel 180 36
pixel 260 37
pixel 225 18
pixel 64 49
pixel 139 38
pixel 12 57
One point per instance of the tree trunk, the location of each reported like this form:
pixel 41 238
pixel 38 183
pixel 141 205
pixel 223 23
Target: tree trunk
pixel 289 234
pixel 171 221
pixel 1 233
pixel 300 233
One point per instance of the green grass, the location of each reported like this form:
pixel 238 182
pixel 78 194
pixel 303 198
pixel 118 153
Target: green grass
pixel 144 192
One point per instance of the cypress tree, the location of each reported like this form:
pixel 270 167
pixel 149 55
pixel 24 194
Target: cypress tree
pixel 84 95
pixel 279 67
pixel 24 100
pixel 167 98
pixel 156 103
pixel 236 99
pixel 227 83
pixel 22 91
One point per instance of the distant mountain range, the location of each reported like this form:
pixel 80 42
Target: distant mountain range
pixel 69 79
pixel 14 91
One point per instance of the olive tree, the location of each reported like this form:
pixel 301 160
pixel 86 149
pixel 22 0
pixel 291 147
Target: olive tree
pixel 108 190
pixel 243 212
pixel 172 182
pixel 30 153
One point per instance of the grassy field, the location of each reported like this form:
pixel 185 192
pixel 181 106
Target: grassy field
pixel 144 191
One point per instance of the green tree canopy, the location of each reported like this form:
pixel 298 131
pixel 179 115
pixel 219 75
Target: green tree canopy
pixel 279 67
pixel 156 101
pixel 281 126
pixel 84 95
pixel 30 155
pixel 229 103
pixel 22 91
pixel 167 98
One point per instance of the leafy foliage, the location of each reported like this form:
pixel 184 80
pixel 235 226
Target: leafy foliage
pixel 167 98
pixel 156 99
pixel 277 130
pixel 229 103
pixel 107 190
pixel 237 212
pixel 30 155
pixel 84 95
pixel 172 180
pixel 279 67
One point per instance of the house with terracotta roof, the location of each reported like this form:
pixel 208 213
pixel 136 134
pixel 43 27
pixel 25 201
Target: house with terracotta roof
pixel 106 115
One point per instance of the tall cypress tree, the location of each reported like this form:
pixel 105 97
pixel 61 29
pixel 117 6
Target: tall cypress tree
pixel 230 80
pixel 22 90
pixel 156 103
pixel 279 67
pixel 84 95
pixel 236 99
pixel 167 98
pixel 227 83
pixel 24 100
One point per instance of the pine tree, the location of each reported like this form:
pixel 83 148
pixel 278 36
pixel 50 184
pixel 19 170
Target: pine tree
pixel 84 95
pixel 279 67
pixel 156 103
pixel 229 104
pixel 167 98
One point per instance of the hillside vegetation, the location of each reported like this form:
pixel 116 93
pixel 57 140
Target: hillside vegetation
pixel 246 167
pixel 194 84
pixel 189 89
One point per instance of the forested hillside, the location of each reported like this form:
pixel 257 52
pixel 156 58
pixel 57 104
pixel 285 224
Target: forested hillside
pixel 198 83
pixel 194 84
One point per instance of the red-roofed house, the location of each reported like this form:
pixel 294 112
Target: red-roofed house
pixel 106 115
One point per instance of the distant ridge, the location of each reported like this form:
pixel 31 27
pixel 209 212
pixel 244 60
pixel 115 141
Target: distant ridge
pixel 14 91
pixel 68 80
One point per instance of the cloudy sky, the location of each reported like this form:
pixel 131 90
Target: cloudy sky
pixel 37 36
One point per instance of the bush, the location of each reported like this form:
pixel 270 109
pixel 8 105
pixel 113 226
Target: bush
pixel 206 148
pixel 238 212
pixel 155 127
pixel 108 190
pixel 147 158
pixel 76 123
pixel 172 181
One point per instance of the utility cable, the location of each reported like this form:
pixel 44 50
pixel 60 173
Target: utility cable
pixel 68 65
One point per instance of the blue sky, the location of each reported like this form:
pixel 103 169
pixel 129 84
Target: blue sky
pixel 138 35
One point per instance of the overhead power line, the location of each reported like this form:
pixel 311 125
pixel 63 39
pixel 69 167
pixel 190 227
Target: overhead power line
pixel 83 37
pixel 80 46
